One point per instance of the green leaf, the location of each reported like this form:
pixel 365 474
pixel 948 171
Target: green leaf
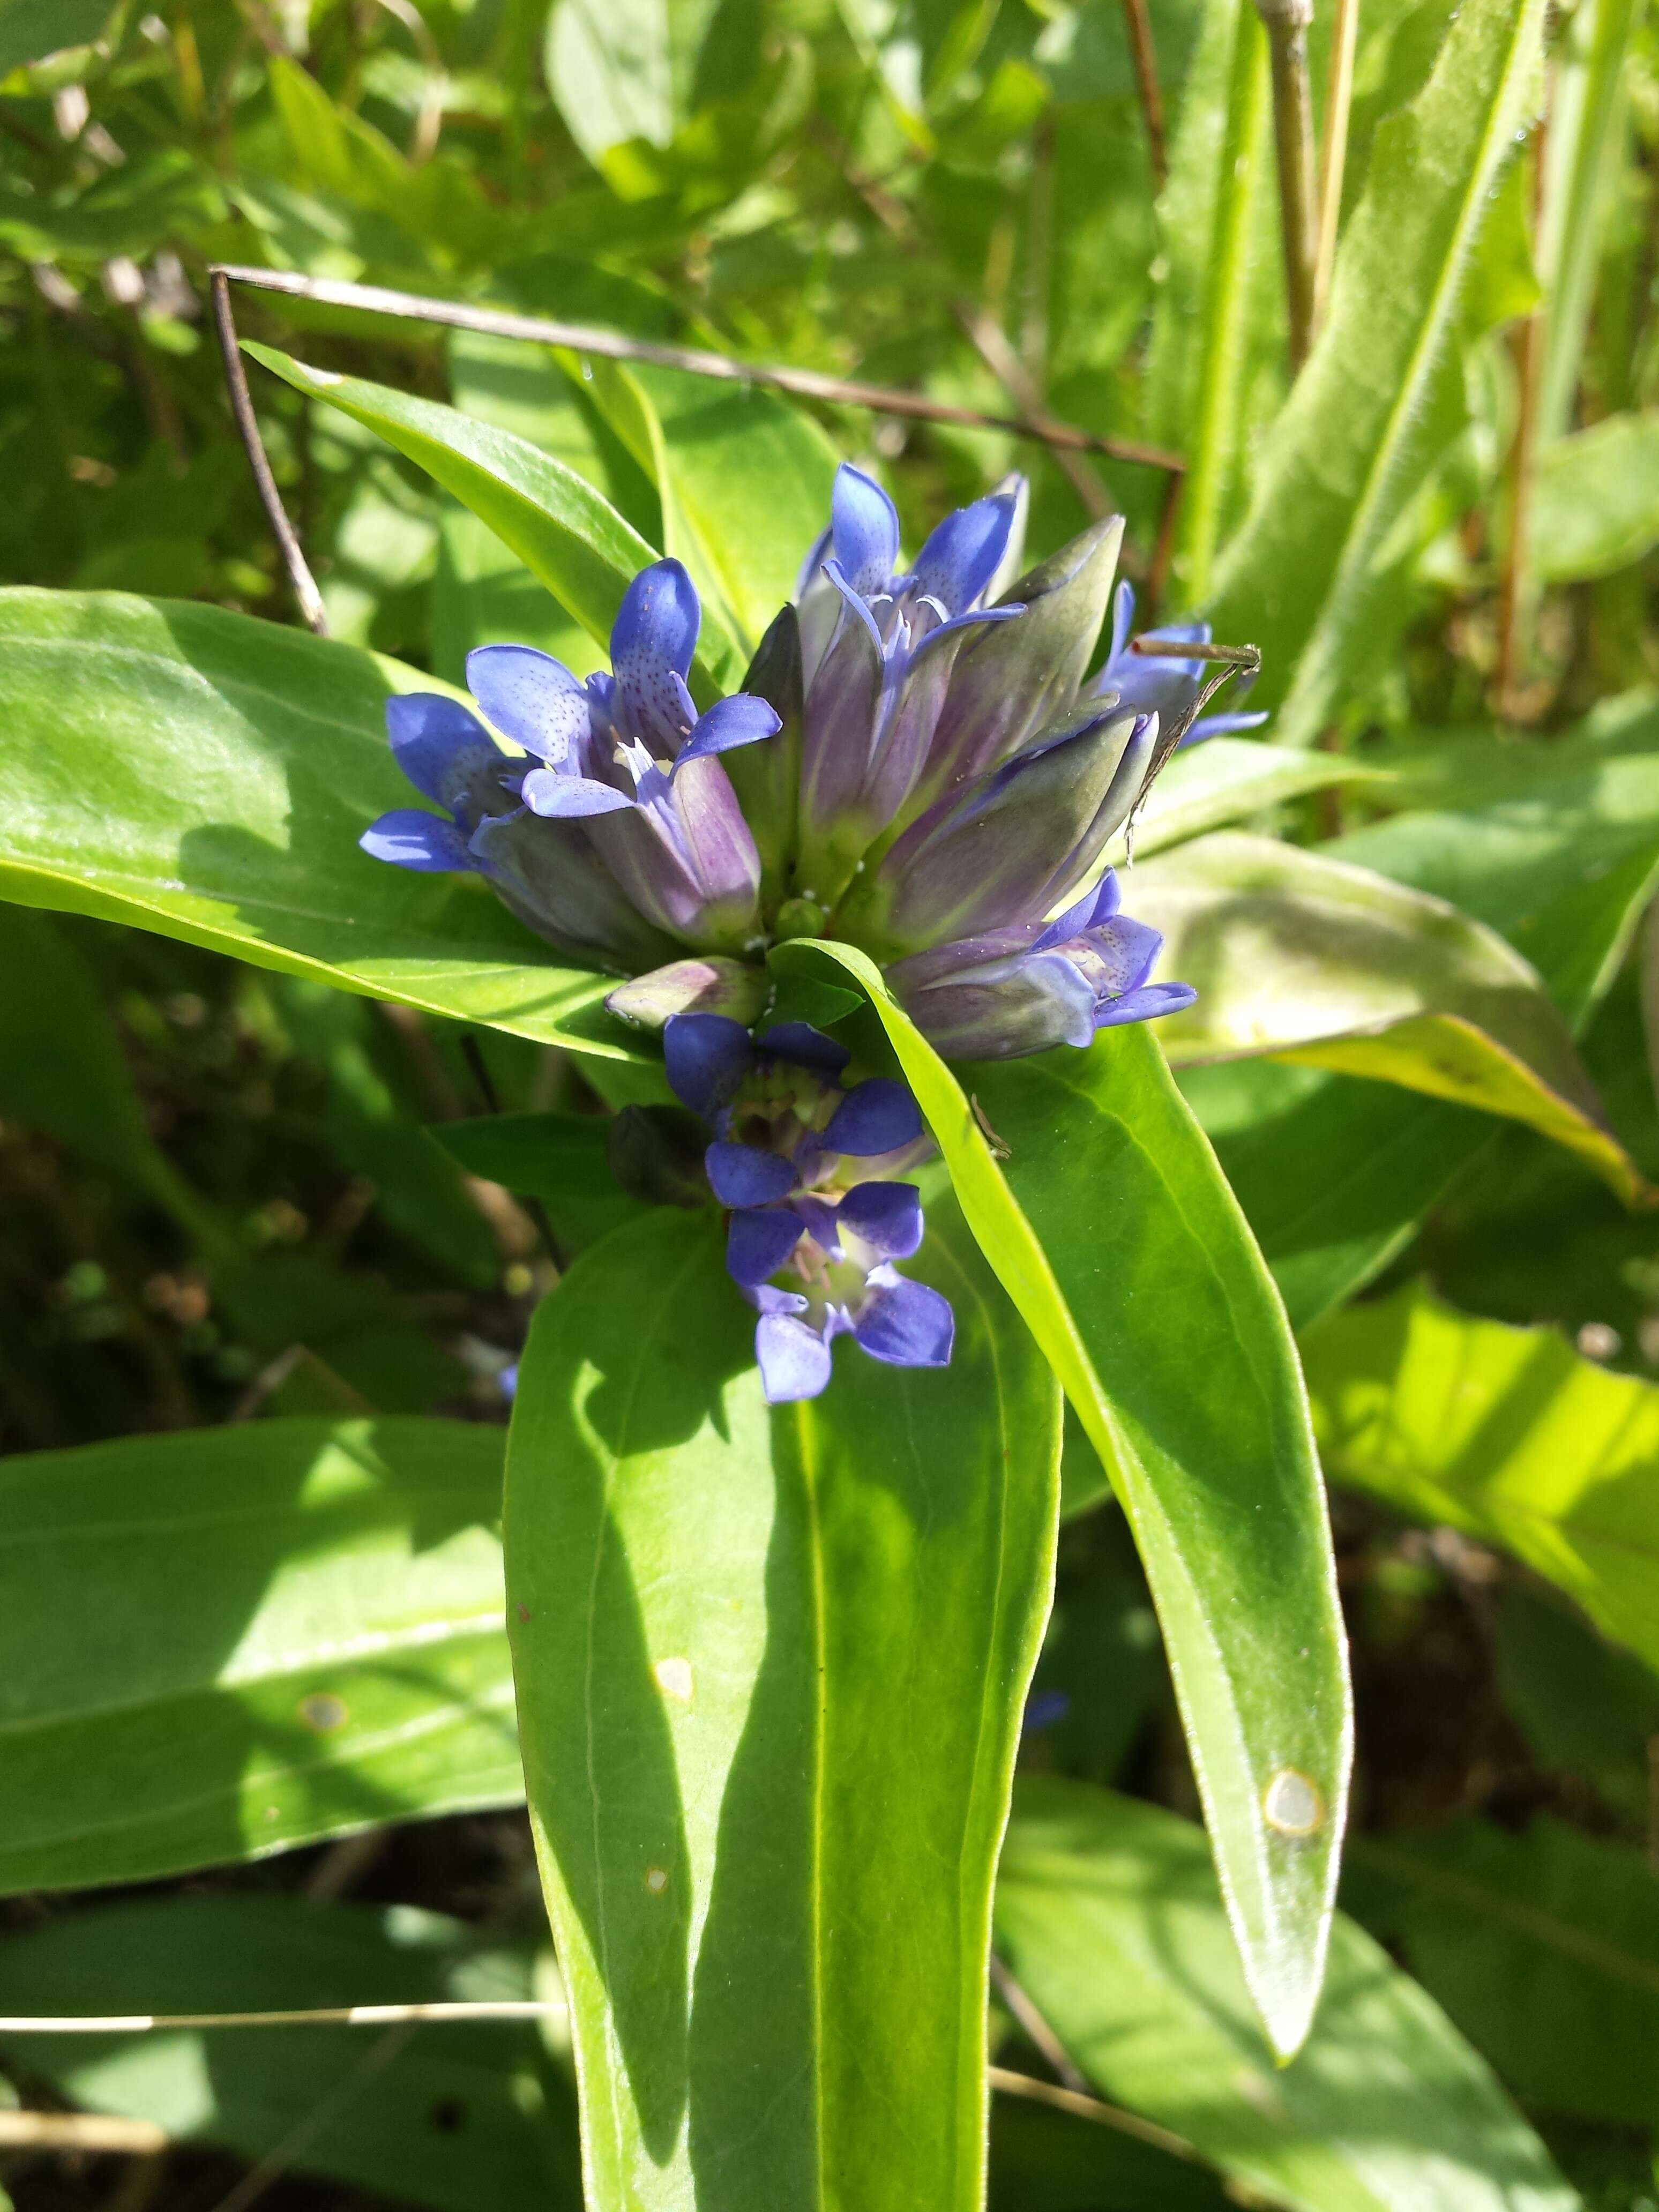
pixel 465 2117
pixel 1586 1708
pixel 32 29
pixel 208 776
pixel 1596 501
pixel 771 1670
pixel 1224 779
pixel 559 1158
pixel 1154 1308
pixel 1315 960
pixel 565 531
pixel 1359 433
pixel 1107 1915
pixel 1506 1433
pixel 223 1642
pixel 1543 1946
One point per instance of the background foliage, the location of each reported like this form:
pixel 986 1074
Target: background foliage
pixel 234 1194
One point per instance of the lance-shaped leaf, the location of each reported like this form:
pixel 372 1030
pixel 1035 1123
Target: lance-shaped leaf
pixel 1507 1434
pixel 206 776
pixel 1302 578
pixel 221 1643
pixel 1105 1215
pixel 770 1670
pixel 1107 1915
pixel 1296 954
pixel 566 533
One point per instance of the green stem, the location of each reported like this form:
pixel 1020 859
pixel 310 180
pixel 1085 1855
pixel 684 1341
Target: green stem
pixel 1287 22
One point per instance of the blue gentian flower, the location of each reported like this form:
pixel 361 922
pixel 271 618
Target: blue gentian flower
pixel 1022 989
pixel 1167 687
pixel 809 1170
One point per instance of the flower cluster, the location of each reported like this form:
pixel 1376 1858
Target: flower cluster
pixel 919 763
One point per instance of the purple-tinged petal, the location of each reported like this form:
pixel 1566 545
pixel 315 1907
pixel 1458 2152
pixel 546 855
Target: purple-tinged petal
pixel 743 1175
pixel 438 744
pixel 706 1057
pixel 887 1215
pixel 1116 957
pixel 534 700
pixel 1095 907
pixel 410 838
pixel 738 721
pixel 1145 1004
pixel 794 1359
pixel 963 555
pixel 560 798
pixel 816 554
pixel 1123 615
pixel 1044 1709
pixel 758 1243
pixel 907 1324
pixel 820 1220
pixel 1002 1010
pixel 876 1116
pixel 865 531
pixel 806 1047
pixel 653 639
pixel 1220 726
pixel 853 606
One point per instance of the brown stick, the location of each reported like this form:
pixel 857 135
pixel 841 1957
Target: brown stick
pixel 304 584
pixel 1334 150
pixel 81 2131
pixel 1286 23
pixel 1088 2108
pixel 610 345
pixel 1145 54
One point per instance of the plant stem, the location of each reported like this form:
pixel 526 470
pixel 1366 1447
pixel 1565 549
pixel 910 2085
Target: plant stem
pixel 1334 150
pixel 1516 595
pixel 1287 24
pixel 1147 85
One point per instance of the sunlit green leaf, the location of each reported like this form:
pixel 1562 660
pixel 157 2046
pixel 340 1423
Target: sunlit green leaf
pixel 769 1664
pixel 1108 1913
pixel 1155 1309
pixel 278 1632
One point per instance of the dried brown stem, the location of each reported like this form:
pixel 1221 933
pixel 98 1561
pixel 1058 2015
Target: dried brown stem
pixel 81 2131
pixel 611 345
pixel 1145 55
pixel 306 595
pixel 1286 23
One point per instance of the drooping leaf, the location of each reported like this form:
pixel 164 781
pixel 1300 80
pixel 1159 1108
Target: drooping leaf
pixel 1586 1707
pixel 463 2118
pixel 771 1670
pixel 223 1642
pixel 206 776
pixel 1506 1433
pixel 1543 1946
pixel 563 530
pixel 1597 499
pixel 1359 433
pixel 1107 1914
pixel 1116 1236
pixel 1307 957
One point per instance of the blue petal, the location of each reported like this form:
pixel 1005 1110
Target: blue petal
pixel 961 557
pixel 887 1215
pixel 436 742
pixel 907 1324
pixel 562 798
pixel 1122 954
pixel 758 1243
pixel 410 838
pixel 853 605
pixel 818 553
pixel 1043 1709
pixel 794 1359
pixel 743 1175
pixel 819 1219
pixel 806 1047
pixel 739 720
pixel 1145 1004
pixel 865 530
pixel 533 699
pixel 1219 726
pixel 1123 614
pixel 652 641
pixel 961 622
pixel 877 1116
pixel 705 1058
pixel 1096 906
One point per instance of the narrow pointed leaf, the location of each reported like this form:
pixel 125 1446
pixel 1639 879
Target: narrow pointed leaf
pixel 1115 1235
pixel 280 1631
pixel 205 775
pixel 770 1670
pixel 1298 955
pixel 1302 578
pixel 1107 1914
pixel 566 533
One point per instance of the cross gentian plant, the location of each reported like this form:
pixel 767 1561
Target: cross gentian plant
pixel 908 768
